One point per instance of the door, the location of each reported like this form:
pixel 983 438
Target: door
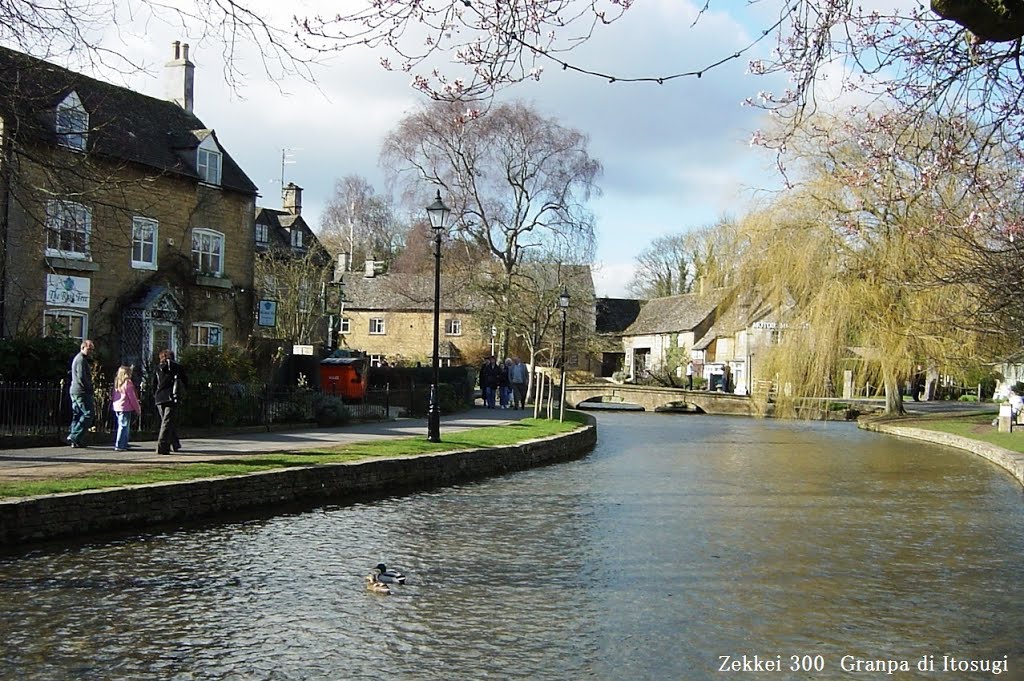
pixel 165 335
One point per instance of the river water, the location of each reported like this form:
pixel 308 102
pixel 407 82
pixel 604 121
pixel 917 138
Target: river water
pixel 679 540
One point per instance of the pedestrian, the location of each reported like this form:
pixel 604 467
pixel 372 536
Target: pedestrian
pixel 125 403
pixel 171 382
pixel 83 401
pixel 504 383
pixel 488 381
pixel 689 375
pixel 518 375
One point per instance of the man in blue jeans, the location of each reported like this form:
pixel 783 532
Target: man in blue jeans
pixel 83 403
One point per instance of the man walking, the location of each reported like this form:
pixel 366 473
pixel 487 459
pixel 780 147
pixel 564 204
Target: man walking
pixel 83 402
pixel 171 382
pixel 517 376
pixel 689 375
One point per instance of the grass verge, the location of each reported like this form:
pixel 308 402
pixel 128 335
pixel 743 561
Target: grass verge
pixel 491 436
pixel 975 427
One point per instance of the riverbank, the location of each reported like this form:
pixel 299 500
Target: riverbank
pixel 57 516
pixel 1011 461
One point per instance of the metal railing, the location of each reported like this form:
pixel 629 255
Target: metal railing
pixel 43 408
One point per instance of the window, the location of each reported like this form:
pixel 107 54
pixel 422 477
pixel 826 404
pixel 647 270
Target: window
pixel 144 233
pixel 346 325
pixel 453 327
pixel 68 226
pixel 377 326
pixel 262 234
pixel 207 335
pixel 72 123
pixel 208 162
pixel 66 323
pixel 208 251
pixel 296 238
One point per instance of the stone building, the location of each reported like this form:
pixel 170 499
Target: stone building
pixel 122 217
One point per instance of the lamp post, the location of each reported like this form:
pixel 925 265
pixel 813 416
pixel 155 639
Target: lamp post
pixel 438 214
pixel 563 304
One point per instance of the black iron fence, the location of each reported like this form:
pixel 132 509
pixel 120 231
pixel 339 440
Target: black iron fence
pixel 43 408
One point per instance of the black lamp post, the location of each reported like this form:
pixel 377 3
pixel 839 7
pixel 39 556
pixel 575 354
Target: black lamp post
pixel 563 304
pixel 438 214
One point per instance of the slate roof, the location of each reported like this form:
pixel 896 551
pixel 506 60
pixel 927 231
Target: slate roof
pixel 673 314
pixel 123 125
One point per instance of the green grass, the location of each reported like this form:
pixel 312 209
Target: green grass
pixel 975 427
pixel 491 436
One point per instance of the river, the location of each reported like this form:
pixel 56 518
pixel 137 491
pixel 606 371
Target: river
pixel 681 543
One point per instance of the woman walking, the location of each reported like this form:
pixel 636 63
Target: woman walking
pixel 125 402
pixel 170 382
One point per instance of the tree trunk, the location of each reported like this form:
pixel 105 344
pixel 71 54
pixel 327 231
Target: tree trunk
pixel 893 397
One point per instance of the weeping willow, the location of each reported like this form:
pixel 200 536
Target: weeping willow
pixel 855 262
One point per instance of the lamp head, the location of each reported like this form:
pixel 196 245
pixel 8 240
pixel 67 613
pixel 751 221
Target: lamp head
pixel 563 298
pixel 438 213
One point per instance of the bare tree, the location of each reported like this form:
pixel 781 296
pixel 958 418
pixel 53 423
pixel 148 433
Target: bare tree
pixel 681 263
pixel 362 223
pixel 298 284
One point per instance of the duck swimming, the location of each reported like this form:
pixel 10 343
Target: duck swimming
pixel 377 586
pixel 389 576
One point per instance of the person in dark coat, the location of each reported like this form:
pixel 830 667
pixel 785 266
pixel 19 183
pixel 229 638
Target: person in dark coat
pixel 170 379
pixel 489 377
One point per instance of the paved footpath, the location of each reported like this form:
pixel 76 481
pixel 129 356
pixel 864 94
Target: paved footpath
pixel 49 462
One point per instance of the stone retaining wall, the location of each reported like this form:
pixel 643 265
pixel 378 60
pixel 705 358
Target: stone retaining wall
pixel 1011 461
pixel 66 515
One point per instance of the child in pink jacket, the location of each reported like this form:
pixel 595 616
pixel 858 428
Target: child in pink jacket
pixel 125 402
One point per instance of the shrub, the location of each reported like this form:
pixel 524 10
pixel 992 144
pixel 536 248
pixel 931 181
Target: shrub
pixel 968 398
pixel 330 411
pixel 37 359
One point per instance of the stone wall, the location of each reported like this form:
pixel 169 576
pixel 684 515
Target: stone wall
pixel 74 515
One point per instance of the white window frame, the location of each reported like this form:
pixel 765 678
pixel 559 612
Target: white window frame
pixel 65 217
pixel 55 314
pixel 453 327
pixel 200 256
pixel 202 333
pixel 139 224
pixel 297 239
pixel 262 233
pixel 209 162
pixel 71 123
pixel 377 327
pixel 346 325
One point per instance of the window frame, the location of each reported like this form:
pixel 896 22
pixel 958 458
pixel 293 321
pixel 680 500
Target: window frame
pixel 139 222
pixel 209 173
pixel 346 325
pixel 453 326
pixel 381 328
pixel 67 313
pixel 297 240
pixel 199 232
pixel 71 123
pixel 264 231
pixel 208 327
pixel 55 206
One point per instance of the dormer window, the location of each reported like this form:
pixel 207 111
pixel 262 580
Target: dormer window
pixel 72 123
pixel 296 238
pixel 208 161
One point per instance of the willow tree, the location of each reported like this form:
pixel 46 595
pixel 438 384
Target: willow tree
pixel 858 256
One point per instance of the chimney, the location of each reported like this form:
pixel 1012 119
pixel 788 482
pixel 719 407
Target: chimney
pixel 291 198
pixel 341 266
pixel 180 76
pixel 369 268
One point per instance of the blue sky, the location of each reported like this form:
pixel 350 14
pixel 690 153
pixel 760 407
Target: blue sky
pixel 676 156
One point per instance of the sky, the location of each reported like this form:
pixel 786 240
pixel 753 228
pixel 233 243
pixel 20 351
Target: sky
pixel 675 156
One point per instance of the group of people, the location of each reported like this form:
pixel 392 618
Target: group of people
pixel 171 382
pixel 503 385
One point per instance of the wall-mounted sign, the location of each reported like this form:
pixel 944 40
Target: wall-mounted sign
pixel 267 315
pixel 302 349
pixel 67 291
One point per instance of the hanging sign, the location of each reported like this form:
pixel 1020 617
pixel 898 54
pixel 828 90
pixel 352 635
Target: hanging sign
pixel 267 313
pixel 67 291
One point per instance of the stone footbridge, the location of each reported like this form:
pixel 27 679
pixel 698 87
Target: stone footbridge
pixel 652 398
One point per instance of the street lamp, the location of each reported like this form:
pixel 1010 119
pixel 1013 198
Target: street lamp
pixel 438 214
pixel 563 304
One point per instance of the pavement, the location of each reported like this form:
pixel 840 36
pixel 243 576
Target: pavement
pixel 53 462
